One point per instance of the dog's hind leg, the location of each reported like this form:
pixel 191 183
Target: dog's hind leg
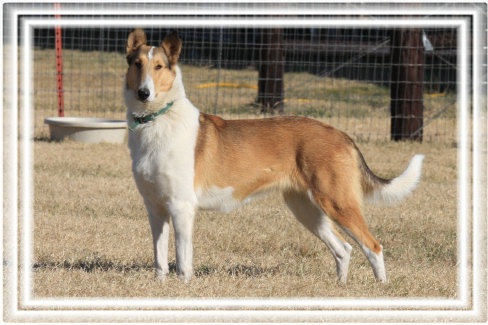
pixel 312 217
pixel 159 222
pixel 349 216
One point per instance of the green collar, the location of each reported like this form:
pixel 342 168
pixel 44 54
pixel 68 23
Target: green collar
pixel 143 119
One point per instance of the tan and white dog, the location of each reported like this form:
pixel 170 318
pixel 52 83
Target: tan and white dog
pixel 183 160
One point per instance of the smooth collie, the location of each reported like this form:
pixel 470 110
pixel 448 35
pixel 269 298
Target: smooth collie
pixel 183 160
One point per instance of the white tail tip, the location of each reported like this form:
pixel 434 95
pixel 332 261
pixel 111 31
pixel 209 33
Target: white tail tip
pixel 402 186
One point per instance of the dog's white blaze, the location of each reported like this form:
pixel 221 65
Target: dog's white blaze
pixel 149 84
pixel 148 80
pixel 150 54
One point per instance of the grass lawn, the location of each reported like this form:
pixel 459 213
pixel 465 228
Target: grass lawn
pixel 92 237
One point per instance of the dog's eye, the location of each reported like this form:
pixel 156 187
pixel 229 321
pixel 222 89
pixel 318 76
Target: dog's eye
pixel 159 67
pixel 138 64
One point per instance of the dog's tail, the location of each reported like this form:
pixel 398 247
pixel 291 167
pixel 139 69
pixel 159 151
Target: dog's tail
pixel 380 190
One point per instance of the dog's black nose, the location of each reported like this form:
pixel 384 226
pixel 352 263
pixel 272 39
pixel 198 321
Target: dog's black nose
pixel 143 93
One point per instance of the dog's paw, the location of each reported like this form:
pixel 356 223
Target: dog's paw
pixel 160 275
pixel 184 279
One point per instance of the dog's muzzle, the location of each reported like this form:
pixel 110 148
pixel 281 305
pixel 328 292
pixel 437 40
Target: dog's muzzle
pixel 143 93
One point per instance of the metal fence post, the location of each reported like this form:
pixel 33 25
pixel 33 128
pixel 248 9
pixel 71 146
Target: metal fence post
pixel 59 63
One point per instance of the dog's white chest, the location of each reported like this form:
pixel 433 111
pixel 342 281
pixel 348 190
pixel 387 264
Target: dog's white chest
pixel 163 159
pixel 149 166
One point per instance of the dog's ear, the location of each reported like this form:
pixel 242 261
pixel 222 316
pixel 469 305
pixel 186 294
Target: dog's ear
pixel 172 47
pixel 136 39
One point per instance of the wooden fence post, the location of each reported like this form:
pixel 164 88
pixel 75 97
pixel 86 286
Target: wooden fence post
pixel 406 88
pixel 271 71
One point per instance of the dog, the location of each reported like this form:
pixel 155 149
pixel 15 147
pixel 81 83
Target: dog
pixel 184 160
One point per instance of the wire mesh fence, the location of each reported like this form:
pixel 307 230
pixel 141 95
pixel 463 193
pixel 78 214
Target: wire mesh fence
pixel 342 76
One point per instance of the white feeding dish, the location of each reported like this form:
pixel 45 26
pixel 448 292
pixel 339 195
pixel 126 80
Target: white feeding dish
pixel 84 129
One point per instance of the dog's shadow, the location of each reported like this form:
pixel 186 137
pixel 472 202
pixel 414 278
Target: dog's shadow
pixel 102 265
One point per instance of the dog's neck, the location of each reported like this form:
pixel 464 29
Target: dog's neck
pixel 177 90
pixel 135 107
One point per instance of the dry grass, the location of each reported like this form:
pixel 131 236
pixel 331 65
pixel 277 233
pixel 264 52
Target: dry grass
pixel 92 236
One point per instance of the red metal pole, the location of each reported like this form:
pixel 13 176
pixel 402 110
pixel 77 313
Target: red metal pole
pixel 59 63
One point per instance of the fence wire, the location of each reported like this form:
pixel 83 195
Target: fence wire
pixel 339 75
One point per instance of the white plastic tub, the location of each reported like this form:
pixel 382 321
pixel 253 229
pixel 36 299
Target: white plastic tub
pixel 85 129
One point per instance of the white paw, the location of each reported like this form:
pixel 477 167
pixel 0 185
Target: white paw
pixel 160 275
pixel 184 278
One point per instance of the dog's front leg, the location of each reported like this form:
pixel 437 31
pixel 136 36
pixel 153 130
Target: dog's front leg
pixel 159 221
pixel 183 214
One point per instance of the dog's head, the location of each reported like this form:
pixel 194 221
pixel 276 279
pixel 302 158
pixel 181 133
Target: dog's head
pixel 152 70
